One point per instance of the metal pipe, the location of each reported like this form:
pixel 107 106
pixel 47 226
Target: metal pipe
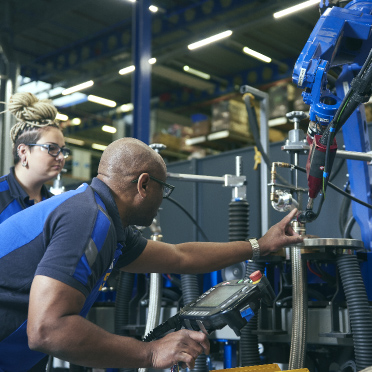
pixel 155 295
pixel 354 155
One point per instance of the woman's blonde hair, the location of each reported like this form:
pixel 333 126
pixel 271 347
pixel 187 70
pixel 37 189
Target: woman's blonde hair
pixel 33 117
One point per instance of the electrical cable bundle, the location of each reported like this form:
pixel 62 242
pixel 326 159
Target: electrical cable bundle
pixel 359 92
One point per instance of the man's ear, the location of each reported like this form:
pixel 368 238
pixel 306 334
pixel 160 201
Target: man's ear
pixel 142 184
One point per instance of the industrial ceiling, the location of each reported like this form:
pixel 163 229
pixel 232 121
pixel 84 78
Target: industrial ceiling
pixel 65 43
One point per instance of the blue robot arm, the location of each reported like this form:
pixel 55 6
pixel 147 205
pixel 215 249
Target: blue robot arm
pixel 340 41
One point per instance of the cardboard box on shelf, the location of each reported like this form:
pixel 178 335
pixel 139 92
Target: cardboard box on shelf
pixel 231 115
pixel 281 100
pixel 201 125
pixel 172 142
pixel 201 128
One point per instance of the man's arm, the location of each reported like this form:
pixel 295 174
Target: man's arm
pixel 56 328
pixel 200 257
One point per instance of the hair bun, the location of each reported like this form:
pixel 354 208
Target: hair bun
pixel 27 107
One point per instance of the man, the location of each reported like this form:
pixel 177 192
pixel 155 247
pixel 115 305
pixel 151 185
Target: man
pixel 55 256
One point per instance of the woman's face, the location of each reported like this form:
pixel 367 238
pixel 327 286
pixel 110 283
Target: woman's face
pixel 42 165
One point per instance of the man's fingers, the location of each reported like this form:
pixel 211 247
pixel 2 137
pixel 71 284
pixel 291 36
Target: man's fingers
pixel 287 219
pixel 202 339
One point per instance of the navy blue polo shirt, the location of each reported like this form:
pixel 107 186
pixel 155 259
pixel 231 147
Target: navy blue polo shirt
pixel 76 238
pixel 13 198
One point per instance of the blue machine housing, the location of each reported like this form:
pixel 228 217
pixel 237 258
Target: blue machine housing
pixel 342 38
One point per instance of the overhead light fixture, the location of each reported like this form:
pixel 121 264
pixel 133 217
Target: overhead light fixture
pixel 76 121
pixel 61 117
pixel 210 39
pixel 127 70
pixel 78 87
pixel 257 55
pixel 196 72
pixel 97 146
pixel 109 129
pixel 126 107
pixel 74 141
pixel 101 101
pixel 295 8
pixel 70 100
pixel 153 8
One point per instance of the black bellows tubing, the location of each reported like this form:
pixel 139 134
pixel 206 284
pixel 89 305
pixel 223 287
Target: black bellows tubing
pixel 238 220
pixel 359 311
pixel 249 354
pixel 190 292
pixel 123 297
pixel 239 230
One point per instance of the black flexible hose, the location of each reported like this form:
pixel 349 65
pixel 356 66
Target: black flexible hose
pixel 190 292
pixel 359 310
pixel 190 216
pixel 249 353
pixel 349 225
pixel 123 297
pixel 342 219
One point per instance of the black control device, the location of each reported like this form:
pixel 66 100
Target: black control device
pixel 231 303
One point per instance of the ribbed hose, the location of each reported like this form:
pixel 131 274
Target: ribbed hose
pixel 239 230
pixel 238 220
pixel 359 310
pixel 190 292
pixel 249 354
pixel 299 311
pixel 123 297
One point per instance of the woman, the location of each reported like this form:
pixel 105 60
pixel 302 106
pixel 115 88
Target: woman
pixel 39 154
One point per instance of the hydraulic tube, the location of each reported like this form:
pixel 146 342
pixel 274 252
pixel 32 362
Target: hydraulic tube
pixel 359 310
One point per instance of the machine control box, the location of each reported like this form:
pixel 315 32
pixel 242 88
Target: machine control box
pixel 230 303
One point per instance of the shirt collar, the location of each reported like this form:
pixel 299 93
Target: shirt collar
pixel 105 194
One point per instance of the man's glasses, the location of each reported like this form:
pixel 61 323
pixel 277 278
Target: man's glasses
pixel 167 188
pixel 53 149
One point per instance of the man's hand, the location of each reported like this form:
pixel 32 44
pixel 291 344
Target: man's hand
pixel 280 235
pixel 183 346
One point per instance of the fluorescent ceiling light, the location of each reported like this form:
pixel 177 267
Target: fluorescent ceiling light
pixel 34 87
pixel 78 87
pixel 257 55
pixel 97 146
pixel 76 121
pixel 209 40
pixel 56 91
pixel 295 8
pixel 127 70
pixel 61 117
pixel 127 107
pixel 196 72
pixel 74 141
pixel 101 101
pixel 109 129
pixel 70 100
pixel 153 8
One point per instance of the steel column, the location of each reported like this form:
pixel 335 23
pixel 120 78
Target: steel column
pixel 141 81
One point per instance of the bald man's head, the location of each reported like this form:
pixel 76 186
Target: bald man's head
pixel 129 157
